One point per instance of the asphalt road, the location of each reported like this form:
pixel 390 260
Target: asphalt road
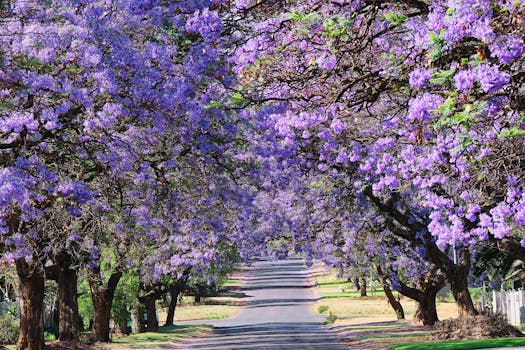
pixel 276 315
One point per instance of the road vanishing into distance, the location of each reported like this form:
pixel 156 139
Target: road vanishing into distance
pixel 276 315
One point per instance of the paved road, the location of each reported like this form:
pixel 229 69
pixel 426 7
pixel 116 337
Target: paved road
pixel 276 315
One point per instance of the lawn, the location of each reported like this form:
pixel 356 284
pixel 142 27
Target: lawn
pixel 224 305
pixel 339 298
pixel 165 336
pixel 461 344
pixel 370 320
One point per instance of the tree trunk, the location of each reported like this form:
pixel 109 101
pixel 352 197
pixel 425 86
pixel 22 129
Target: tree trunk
pixel 357 286
pixel 102 298
pixel 459 288
pixel 31 290
pixel 362 282
pixel 102 315
pixel 68 299
pixel 456 273
pixel 152 324
pixel 396 305
pixel 426 312
pixel 135 318
pixel 175 290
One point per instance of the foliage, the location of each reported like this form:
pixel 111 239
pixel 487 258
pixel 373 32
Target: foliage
pixel 9 328
pixel 85 305
pixel 49 336
pixel 126 294
pixel 322 309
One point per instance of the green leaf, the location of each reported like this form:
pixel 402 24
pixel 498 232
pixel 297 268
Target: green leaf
pixel 237 99
pixel 513 131
pixel 214 104
pixel 396 19
pixel 442 77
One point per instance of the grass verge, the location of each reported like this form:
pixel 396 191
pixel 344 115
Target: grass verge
pixel 461 344
pixel 165 336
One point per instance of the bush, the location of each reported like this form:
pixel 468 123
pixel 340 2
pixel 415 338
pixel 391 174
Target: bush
pixel 49 336
pixel 330 318
pixel 9 329
pixel 475 327
pixel 322 308
pixel 53 330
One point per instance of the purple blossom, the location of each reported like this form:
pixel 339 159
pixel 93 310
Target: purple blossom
pixel 491 78
pixel 206 23
pixel 419 77
pixel 338 126
pixel 464 80
pixel 327 61
pixel 508 48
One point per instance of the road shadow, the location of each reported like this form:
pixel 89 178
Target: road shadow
pixel 266 336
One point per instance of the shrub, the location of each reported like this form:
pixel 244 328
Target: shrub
pixel 322 308
pixel 9 329
pixel 330 318
pixel 49 336
pixel 475 327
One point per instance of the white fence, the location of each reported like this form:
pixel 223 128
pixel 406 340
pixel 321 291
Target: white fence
pixel 510 303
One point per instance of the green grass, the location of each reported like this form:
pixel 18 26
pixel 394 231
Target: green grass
pixel 395 336
pixel 215 316
pixel 353 294
pixel 232 282
pixel 461 344
pixel 165 336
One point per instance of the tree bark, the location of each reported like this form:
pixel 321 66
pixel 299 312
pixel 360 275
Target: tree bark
pixel 102 315
pixel 362 282
pixel 396 305
pixel 148 299
pixel 66 277
pixel 102 298
pixel 426 312
pixel 175 290
pixel 31 290
pixel 459 286
pixel 152 324
pixel 135 318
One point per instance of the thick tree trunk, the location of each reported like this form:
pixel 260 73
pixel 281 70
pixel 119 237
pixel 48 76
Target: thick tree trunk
pixel 102 298
pixel 424 293
pixel 66 277
pixel 459 288
pixel 152 324
pixel 362 282
pixel 426 312
pixel 102 315
pixel 396 305
pixel 135 318
pixel 175 290
pixel 31 307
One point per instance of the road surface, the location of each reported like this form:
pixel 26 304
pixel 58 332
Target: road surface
pixel 276 315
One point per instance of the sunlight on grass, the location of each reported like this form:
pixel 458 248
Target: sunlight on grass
pixel 461 344
pixel 349 307
pixel 165 336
